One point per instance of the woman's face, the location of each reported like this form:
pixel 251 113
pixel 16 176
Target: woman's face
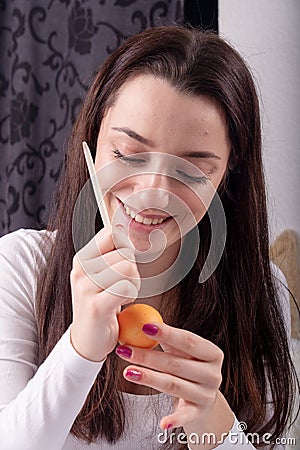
pixel 180 139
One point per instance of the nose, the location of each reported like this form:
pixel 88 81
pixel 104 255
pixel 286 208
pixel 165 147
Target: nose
pixel 152 191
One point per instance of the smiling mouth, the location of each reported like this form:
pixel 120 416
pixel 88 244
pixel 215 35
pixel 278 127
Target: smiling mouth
pixel 145 220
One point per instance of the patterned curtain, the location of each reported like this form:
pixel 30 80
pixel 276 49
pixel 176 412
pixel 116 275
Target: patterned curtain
pixel 49 51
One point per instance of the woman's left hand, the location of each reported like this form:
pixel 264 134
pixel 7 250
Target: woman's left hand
pixel 189 369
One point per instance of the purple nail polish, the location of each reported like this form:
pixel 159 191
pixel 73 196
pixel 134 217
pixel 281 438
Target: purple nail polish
pixel 124 351
pixel 150 329
pixel 169 426
pixel 133 374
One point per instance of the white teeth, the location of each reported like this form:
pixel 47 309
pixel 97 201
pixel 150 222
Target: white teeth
pixel 140 219
pixel 147 221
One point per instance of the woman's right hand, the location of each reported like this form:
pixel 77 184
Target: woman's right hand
pixel 97 268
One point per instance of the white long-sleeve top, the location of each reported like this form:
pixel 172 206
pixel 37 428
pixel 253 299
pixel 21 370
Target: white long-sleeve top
pixel 38 405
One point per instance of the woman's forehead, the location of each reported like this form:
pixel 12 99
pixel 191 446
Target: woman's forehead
pixel 149 103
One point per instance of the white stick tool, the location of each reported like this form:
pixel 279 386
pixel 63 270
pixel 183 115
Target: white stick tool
pixel 96 187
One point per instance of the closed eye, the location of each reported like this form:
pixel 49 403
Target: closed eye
pixel 191 179
pixel 188 178
pixel 127 159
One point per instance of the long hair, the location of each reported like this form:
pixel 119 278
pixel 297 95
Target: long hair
pixel 238 307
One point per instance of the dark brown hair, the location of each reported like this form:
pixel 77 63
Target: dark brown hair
pixel 238 307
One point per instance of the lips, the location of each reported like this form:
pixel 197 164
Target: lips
pixel 145 220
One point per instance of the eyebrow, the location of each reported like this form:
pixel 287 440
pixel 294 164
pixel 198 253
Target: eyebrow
pixel 132 134
pixel 201 155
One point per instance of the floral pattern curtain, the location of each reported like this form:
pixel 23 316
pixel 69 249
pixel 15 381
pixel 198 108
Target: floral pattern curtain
pixel 48 53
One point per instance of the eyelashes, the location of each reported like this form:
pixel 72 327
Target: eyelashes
pixel 191 179
pixel 126 159
pixel 136 161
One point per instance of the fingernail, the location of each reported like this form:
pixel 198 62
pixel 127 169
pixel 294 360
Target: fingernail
pixel 124 351
pixel 133 374
pixel 149 329
pixel 168 426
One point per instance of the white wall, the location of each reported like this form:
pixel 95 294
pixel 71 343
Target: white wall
pixel 267 34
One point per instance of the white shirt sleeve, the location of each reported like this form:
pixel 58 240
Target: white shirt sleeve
pixel 37 405
pixel 236 438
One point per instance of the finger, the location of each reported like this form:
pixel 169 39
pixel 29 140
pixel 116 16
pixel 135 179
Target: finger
pixel 86 287
pixel 169 349
pixel 119 294
pixel 184 341
pixel 100 244
pixel 169 384
pixel 100 263
pixel 188 369
pixel 121 270
pixel 185 413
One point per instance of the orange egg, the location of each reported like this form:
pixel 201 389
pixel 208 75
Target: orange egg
pixel 131 321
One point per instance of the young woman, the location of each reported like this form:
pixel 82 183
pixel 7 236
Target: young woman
pixel 166 97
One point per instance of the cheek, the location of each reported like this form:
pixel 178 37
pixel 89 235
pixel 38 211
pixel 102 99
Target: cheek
pixel 198 209
pixel 102 158
pixel 198 202
pixel 191 201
